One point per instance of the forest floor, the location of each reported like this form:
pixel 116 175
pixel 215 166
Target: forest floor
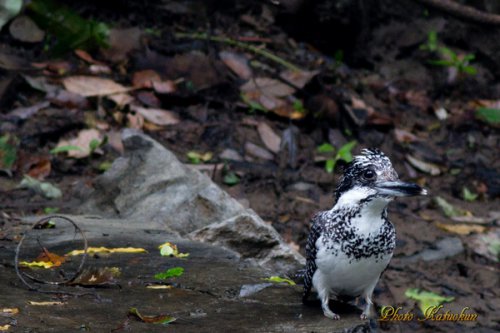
pixel 265 115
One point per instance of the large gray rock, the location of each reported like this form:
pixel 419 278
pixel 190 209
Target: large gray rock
pixel 218 292
pixel 150 184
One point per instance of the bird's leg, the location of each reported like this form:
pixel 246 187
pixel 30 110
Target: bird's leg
pixel 325 298
pixel 367 312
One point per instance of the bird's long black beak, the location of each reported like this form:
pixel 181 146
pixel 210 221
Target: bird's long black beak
pixel 399 189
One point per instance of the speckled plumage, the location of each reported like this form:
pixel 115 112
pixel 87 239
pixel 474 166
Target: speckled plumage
pixel 350 245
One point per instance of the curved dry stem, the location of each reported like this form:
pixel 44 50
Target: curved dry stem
pixel 22 275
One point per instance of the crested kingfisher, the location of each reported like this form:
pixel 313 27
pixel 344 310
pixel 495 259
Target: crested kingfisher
pixel 350 245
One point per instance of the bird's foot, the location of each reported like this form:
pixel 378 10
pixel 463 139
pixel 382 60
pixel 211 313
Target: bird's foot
pixel 330 314
pixel 364 316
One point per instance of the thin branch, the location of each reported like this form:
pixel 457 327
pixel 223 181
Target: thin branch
pixel 262 52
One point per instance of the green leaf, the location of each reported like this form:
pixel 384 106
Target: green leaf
pixel 104 166
pixel 448 209
pixel 325 148
pixel 426 299
pixel 491 116
pixel 298 106
pixel 278 279
pixel 169 273
pixel 8 153
pixel 69 29
pixel 64 149
pixel 469 70
pixel 469 57
pixel 345 151
pixel 43 188
pixel 50 210
pixel 494 248
pixel 231 179
pixel 94 144
pixel 196 158
pixel 468 195
pixel 444 63
pixel 330 165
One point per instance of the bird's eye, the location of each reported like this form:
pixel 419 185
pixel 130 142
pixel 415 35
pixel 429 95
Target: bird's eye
pixel 369 174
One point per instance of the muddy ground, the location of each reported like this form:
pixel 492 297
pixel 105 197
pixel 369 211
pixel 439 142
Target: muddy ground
pixel 363 78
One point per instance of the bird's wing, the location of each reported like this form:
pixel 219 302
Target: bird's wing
pixel 317 225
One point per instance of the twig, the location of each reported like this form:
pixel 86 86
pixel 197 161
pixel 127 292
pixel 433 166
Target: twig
pixel 22 275
pixel 262 52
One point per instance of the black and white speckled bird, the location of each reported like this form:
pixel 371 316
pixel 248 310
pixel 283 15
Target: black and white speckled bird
pixel 350 245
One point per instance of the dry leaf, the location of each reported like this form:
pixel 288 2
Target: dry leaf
pixel 269 137
pixel 462 229
pixel 99 69
pixel 93 86
pixel 145 78
pixel 270 87
pixel 97 276
pixel 164 87
pixel 66 99
pixel 121 100
pixel 40 168
pixel 426 167
pixel 256 151
pixel 160 286
pixel 298 78
pixel 48 303
pixel 26 112
pixel 403 136
pixel 84 55
pixel 9 311
pixel 82 141
pixel 157 116
pixel 4 327
pixel 46 259
pixel 237 63
pixel 288 111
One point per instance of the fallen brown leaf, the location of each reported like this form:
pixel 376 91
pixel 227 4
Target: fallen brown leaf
pixel 271 140
pixel 157 116
pixel 93 86
pixel 237 63
pixel 97 276
pixel 268 86
pixel 298 78
pixel 83 140
pixel 145 78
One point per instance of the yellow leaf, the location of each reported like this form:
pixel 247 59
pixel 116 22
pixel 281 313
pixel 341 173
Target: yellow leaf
pixel 9 311
pixel 168 249
pixel 48 303
pixel 93 250
pixel 160 286
pixel 462 228
pixel 5 327
pixel 44 264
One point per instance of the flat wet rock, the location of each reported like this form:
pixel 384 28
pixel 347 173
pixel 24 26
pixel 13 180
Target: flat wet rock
pixel 205 298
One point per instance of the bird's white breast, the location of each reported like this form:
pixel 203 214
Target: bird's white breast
pixel 345 276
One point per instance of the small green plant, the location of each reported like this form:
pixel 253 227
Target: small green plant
pixel 343 153
pixel 448 57
pixel 468 195
pixel 198 158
